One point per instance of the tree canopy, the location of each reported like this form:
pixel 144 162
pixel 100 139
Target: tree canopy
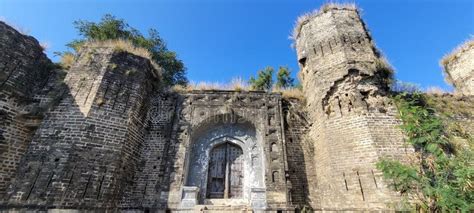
pixel 264 79
pixel 111 28
pixel 284 80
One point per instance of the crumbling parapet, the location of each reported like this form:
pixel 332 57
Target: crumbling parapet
pixel 346 83
pixel 85 151
pixel 459 68
pixel 334 46
pixel 27 86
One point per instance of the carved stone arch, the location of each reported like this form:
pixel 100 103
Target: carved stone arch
pixel 222 118
pixel 213 133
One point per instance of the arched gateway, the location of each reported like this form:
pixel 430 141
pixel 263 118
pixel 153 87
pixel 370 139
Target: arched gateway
pixel 225 165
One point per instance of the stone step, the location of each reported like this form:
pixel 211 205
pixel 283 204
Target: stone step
pixel 222 208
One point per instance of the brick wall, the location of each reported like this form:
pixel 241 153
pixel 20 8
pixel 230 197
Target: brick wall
pixel 85 151
pixel 459 67
pixel 25 76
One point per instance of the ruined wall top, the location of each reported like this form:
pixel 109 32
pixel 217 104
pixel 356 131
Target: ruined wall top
pixel 459 68
pixel 24 67
pixel 336 55
pixel 332 31
pixel 108 48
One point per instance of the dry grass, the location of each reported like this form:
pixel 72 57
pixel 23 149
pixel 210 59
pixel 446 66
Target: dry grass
pixel 453 56
pixel 449 105
pixel 291 93
pixel 121 45
pixel 303 19
pixel 435 90
pixel 236 84
pixel 44 45
pixel 239 84
pixel 67 59
pixel 18 28
pixel 381 63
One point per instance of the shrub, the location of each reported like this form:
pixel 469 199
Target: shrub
pixel 112 29
pixel 263 81
pixel 284 79
pixel 67 59
pixel 440 178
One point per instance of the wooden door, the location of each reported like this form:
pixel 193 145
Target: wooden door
pixel 236 175
pixel 225 172
pixel 216 179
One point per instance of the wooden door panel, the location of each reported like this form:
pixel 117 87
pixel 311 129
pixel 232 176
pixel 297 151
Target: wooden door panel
pixel 220 177
pixel 236 173
pixel 216 179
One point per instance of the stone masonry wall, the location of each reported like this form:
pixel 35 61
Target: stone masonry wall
pixel 25 76
pixel 459 67
pixel 86 149
pixel 176 122
pixel 353 122
pixel 150 178
pixel 300 152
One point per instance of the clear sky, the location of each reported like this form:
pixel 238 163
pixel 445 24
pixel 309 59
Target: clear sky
pixel 222 39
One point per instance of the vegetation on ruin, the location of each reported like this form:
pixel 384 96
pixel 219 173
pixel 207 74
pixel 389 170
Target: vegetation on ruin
pixel 116 31
pixel 454 55
pixel 439 174
pixel 264 79
pixel 237 84
pixel 303 19
pixel 284 84
pixel 284 79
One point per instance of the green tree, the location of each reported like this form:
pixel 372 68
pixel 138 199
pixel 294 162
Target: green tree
pixel 264 80
pixel 284 80
pixel 439 176
pixel 110 28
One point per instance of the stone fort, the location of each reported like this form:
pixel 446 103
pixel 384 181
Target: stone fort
pixel 105 136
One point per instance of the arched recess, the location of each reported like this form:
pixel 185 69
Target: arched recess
pixel 216 132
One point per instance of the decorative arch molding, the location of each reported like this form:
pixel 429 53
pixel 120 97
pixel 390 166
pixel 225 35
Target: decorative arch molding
pixel 223 116
pixel 242 134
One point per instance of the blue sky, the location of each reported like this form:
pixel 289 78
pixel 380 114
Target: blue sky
pixel 222 39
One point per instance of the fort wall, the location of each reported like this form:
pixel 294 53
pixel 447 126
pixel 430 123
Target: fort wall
pixel 353 122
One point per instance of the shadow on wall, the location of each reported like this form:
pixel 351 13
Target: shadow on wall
pixel 299 154
pixel 78 160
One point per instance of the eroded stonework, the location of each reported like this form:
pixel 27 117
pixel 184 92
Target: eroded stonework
pixel 459 68
pixel 352 120
pixel 109 137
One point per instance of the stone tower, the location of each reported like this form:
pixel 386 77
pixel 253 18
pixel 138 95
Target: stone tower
pixel 86 149
pixel 459 68
pixel 345 82
pixel 25 89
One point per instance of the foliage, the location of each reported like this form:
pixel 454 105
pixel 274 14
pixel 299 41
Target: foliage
pixel 439 177
pixel 264 80
pixel 112 28
pixel 284 79
pixel 405 87
pixel 67 60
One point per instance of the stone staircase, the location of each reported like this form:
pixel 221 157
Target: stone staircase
pixel 222 208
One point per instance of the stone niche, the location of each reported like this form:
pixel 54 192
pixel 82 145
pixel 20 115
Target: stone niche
pixel 225 162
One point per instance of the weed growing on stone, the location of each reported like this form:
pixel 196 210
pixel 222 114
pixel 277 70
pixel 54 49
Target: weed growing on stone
pixel 439 177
